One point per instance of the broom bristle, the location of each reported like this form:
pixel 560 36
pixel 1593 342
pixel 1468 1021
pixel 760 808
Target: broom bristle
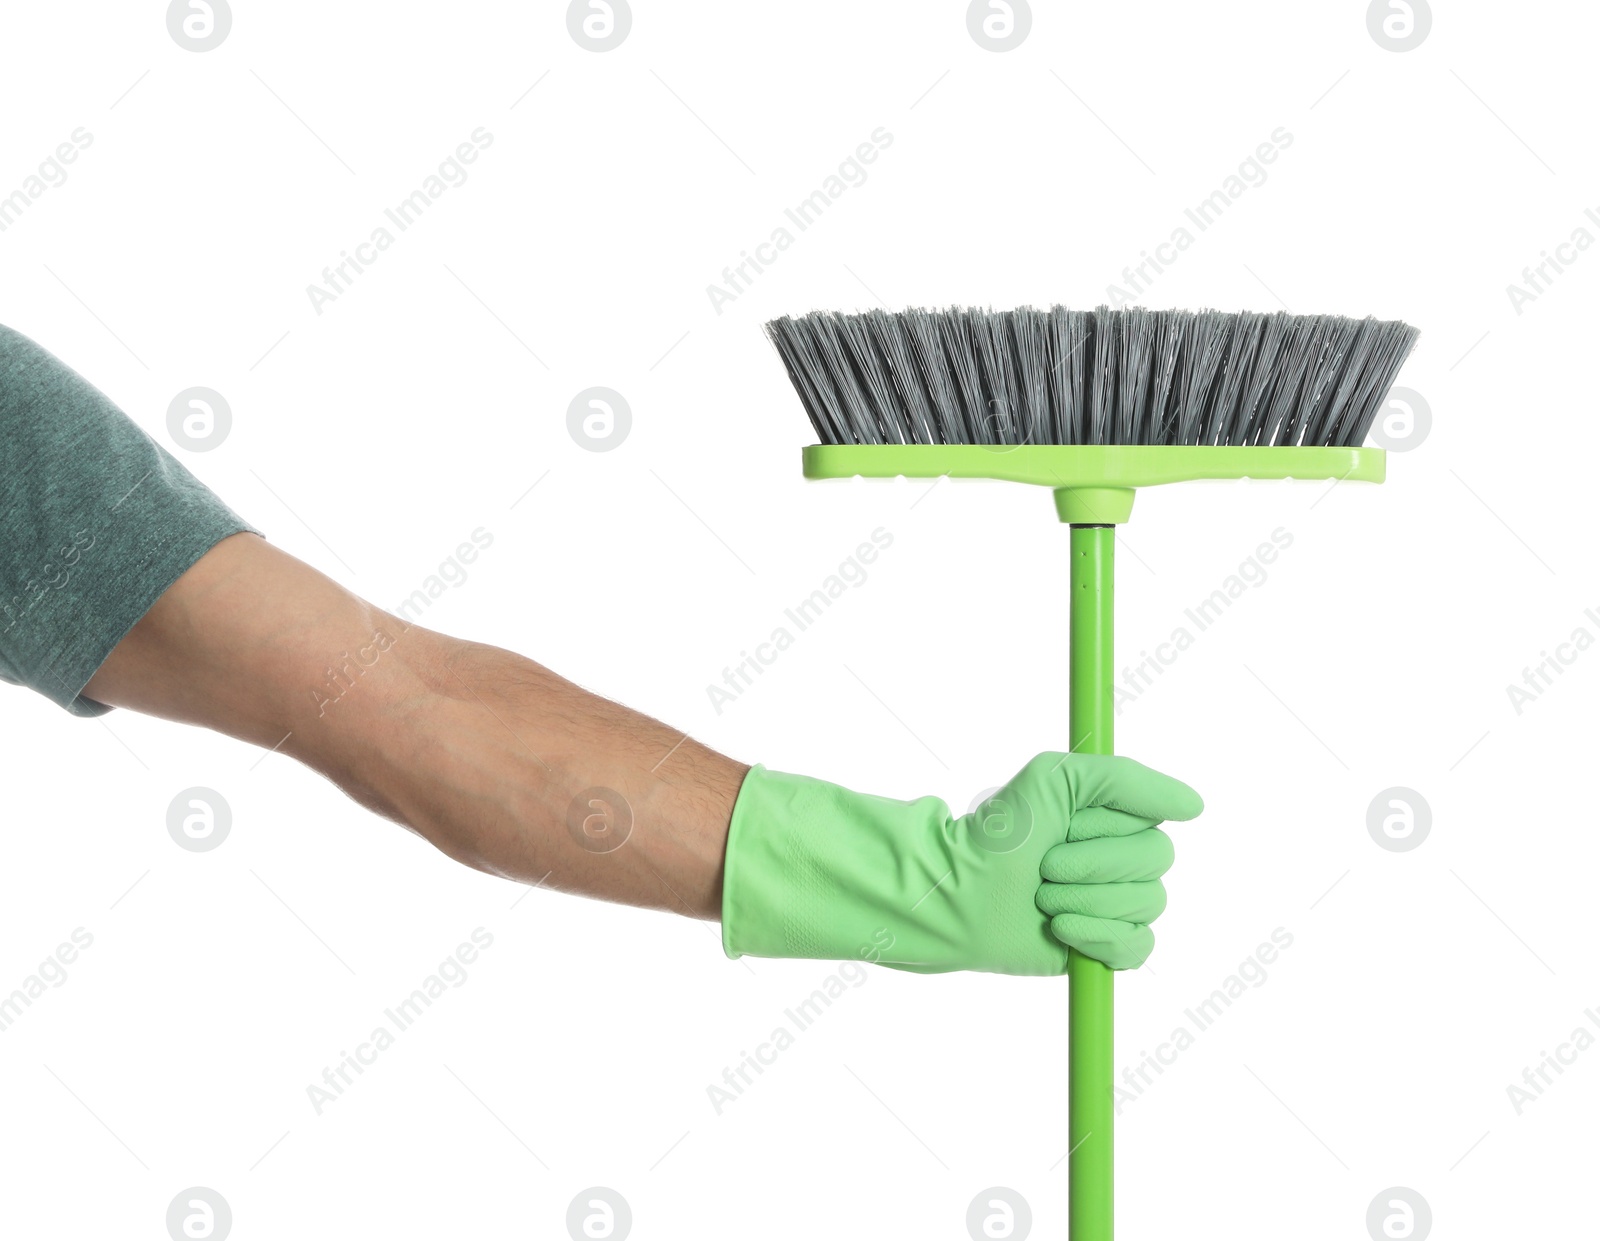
pixel 1134 376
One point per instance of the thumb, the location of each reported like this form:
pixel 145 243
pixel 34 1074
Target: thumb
pixel 1118 783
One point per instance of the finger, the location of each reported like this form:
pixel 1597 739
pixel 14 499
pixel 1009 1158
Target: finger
pixel 1128 902
pixel 1121 945
pixel 1124 859
pixel 1098 821
pixel 1123 784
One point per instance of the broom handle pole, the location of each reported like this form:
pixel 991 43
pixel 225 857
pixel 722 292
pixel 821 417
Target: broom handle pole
pixel 1090 1109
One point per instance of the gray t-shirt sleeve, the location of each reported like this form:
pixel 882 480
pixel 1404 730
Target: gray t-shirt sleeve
pixel 96 521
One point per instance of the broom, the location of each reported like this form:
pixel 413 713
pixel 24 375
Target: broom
pixel 1093 405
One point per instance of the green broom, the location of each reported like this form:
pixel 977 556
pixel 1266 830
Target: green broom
pixel 1092 405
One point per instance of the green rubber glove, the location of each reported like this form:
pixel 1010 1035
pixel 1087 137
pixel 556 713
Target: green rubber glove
pixel 1067 854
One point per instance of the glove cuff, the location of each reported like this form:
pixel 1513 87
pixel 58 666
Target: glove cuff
pixel 810 865
pixel 768 871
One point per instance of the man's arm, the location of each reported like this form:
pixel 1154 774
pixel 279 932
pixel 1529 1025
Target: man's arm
pixel 125 582
pixel 484 753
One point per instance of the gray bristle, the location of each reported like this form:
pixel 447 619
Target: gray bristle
pixel 1059 376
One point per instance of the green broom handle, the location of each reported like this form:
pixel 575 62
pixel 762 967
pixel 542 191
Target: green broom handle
pixel 1090 1181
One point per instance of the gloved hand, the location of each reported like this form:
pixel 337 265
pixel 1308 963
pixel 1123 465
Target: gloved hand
pixel 1066 854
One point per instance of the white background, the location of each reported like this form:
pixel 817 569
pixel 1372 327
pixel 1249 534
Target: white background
pixel 425 402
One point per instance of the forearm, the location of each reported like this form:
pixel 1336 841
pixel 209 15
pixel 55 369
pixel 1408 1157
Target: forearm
pixel 480 751
pixel 514 770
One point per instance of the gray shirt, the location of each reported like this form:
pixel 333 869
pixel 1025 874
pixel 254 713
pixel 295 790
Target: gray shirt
pixel 96 521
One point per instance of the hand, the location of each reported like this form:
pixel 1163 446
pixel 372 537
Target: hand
pixel 1102 886
pixel 1067 854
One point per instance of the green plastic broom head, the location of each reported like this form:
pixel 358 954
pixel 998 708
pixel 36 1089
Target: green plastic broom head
pixel 1091 404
